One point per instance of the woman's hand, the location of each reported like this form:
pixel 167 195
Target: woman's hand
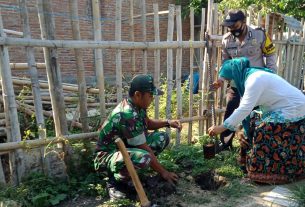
pixel 214 130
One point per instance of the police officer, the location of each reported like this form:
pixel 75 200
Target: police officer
pixel 243 41
pixel 129 121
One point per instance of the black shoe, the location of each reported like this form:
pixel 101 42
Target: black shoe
pixel 119 190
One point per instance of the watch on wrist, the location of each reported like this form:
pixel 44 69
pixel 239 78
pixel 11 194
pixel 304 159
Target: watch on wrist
pixel 167 124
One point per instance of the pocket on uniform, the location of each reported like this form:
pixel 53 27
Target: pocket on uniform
pixel 232 52
pixel 253 50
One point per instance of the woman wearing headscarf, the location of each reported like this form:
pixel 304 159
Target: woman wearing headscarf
pixel 277 145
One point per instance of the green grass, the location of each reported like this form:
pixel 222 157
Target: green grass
pixel 298 195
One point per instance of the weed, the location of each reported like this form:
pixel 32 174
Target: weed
pixel 298 195
pixel 236 189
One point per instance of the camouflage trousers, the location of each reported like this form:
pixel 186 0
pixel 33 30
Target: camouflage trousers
pixel 140 158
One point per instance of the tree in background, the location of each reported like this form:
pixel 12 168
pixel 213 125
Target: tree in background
pixel 295 8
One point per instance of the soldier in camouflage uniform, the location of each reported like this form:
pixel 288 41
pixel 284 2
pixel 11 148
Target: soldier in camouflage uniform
pixel 129 121
pixel 243 41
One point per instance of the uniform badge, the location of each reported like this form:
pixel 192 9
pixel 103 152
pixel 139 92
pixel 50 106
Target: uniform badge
pixel 254 42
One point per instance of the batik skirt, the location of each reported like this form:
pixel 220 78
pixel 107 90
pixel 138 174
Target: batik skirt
pixel 277 153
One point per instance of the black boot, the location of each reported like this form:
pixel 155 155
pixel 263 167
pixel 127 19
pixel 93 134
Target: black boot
pixel 120 190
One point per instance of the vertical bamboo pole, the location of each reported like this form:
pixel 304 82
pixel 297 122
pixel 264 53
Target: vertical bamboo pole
pixel 98 54
pixel 2 177
pixel 301 61
pixel 131 33
pixel 272 27
pixel 213 56
pixel 298 65
pixel 280 53
pixel 299 53
pixel 209 31
pixel 249 18
pixel 201 38
pixel 156 57
pixel 202 75
pixel 288 56
pixel 220 93
pixel 295 65
pixel 10 109
pixel 118 53
pixel 143 23
pixel 80 66
pixel 259 19
pixel 178 69
pixel 35 83
pixel 190 128
pixel 303 58
pixel 292 64
pixel 47 28
pixel 170 34
pixel 267 23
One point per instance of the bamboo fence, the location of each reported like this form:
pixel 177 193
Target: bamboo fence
pixel 290 61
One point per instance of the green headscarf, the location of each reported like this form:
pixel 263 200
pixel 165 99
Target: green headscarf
pixel 238 69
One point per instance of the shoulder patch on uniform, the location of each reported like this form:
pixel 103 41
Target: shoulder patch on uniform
pixel 269 47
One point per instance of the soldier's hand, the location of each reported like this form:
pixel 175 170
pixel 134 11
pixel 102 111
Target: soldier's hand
pixel 175 124
pixel 170 177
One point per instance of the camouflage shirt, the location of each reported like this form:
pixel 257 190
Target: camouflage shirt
pixel 127 122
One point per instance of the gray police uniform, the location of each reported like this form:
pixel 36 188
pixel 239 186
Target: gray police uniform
pixel 255 47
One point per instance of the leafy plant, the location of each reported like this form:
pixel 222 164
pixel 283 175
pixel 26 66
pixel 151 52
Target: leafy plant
pixel 185 101
pixel 206 139
pixel 298 195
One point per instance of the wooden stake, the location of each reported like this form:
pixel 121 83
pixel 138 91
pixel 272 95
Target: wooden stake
pixel 10 109
pixel 156 57
pixel 143 23
pixel 35 83
pixel 80 66
pixel 202 75
pixel 2 177
pixel 178 70
pixel 118 52
pixel 98 53
pixel 191 80
pixel 131 33
pixel 170 34
pixel 53 71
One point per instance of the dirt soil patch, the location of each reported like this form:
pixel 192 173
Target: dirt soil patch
pixel 189 192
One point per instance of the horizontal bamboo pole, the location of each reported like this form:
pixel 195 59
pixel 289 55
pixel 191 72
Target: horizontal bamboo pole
pixel 9 146
pixel 44 84
pixel 5 147
pixel 24 66
pixel 8 31
pixel 9 41
pixel 97 104
pixel 199 118
pixel 151 14
pixel 48 98
pixel 28 109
